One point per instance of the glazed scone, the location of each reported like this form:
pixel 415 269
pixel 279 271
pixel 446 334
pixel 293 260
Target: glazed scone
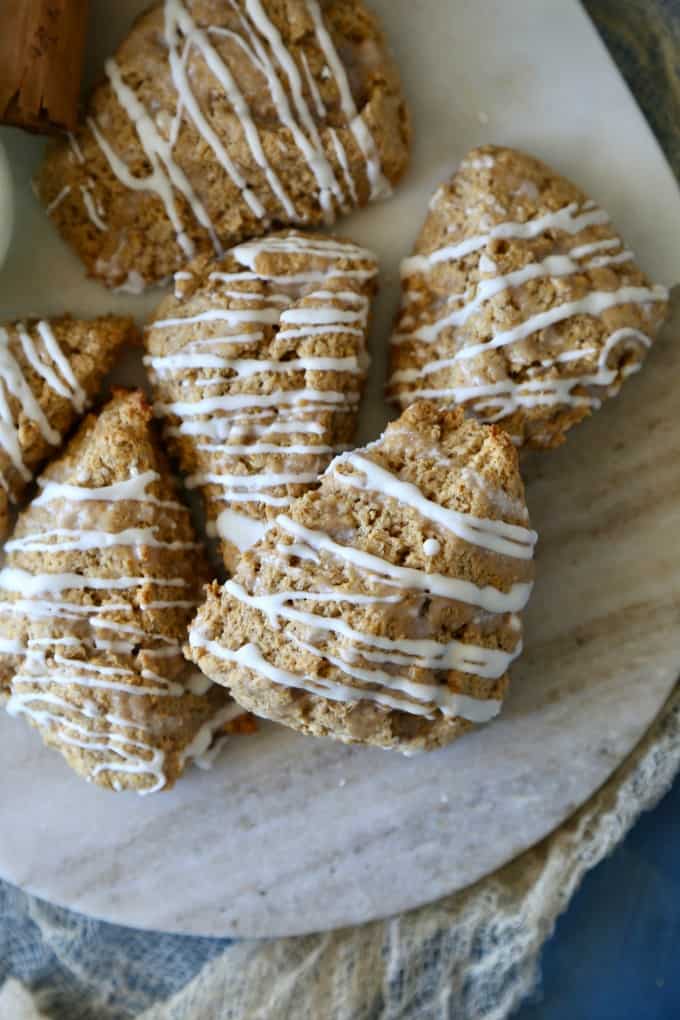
pixel 49 372
pixel 257 364
pixel 521 302
pixel 103 573
pixel 220 120
pixel 383 608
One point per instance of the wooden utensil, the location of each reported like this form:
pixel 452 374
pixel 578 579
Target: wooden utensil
pixel 41 56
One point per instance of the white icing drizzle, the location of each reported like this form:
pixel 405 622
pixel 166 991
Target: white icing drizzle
pixel 252 488
pixel 593 304
pixel 496 496
pixel 239 529
pixel 261 42
pixel 305 399
pixel 495 535
pixel 583 250
pixel 132 489
pixel 125 754
pixel 424 653
pixel 67 386
pixel 253 449
pixel 204 749
pixel 299 244
pixel 165 175
pixel 58 199
pixel 567 219
pixel 305 133
pixel 405 673
pixel 494 401
pixel 227 423
pixel 11 646
pixel 232 316
pixel 91 209
pixel 74 391
pixel 250 657
pixel 51 365
pixel 341 156
pixel 116 737
pixel 16 579
pixel 601 261
pixel 75 148
pixel 222 429
pixel 262 481
pixel 379 186
pixel 233 339
pixel 313 87
pixel 134 283
pixel 246 295
pixel 486 162
pixel 71 539
pixel 245 368
pixel 176 16
pixel 489 598
pixel 169 604
pixel 555 266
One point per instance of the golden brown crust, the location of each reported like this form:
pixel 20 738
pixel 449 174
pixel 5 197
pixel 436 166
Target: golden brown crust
pixel 542 380
pixel 125 235
pixel 367 620
pixel 90 349
pixel 95 598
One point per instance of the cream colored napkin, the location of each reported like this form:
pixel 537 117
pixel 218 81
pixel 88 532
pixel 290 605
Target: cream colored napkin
pixel 474 954
pixel 17 1004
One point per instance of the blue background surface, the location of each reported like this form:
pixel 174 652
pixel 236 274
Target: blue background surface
pixel 615 954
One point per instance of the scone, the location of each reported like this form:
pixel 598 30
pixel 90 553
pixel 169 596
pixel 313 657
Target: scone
pixel 521 302
pixel 257 364
pixel 49 373
pixel 383 608
pixel 220 120
pixel 102 576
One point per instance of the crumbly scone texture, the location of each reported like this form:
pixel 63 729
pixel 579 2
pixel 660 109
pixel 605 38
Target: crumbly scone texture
pixel 379 629
pixel 220 121
pixel 521 302
pixel 102 575
pixel 257 365
pixel 50 370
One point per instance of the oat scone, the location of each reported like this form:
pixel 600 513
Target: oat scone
pixel 102 576
pixel 49 372
pixel 257 365
pixel 220 120
pixel 383 608
pixel 521 302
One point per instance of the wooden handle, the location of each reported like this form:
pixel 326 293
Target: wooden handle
pixel 41 56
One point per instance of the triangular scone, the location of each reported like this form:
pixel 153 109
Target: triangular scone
pixel 383 607
pixel 521 302
pixel 49 372
pixel 258 364
pixel 102 576
pixel 221 120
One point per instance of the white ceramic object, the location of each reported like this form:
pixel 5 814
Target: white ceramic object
pixel 6 204
pixel 289 834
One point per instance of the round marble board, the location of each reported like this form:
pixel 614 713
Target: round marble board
pixel 287 834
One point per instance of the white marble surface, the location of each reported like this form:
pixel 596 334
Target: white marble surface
pixel 291 835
